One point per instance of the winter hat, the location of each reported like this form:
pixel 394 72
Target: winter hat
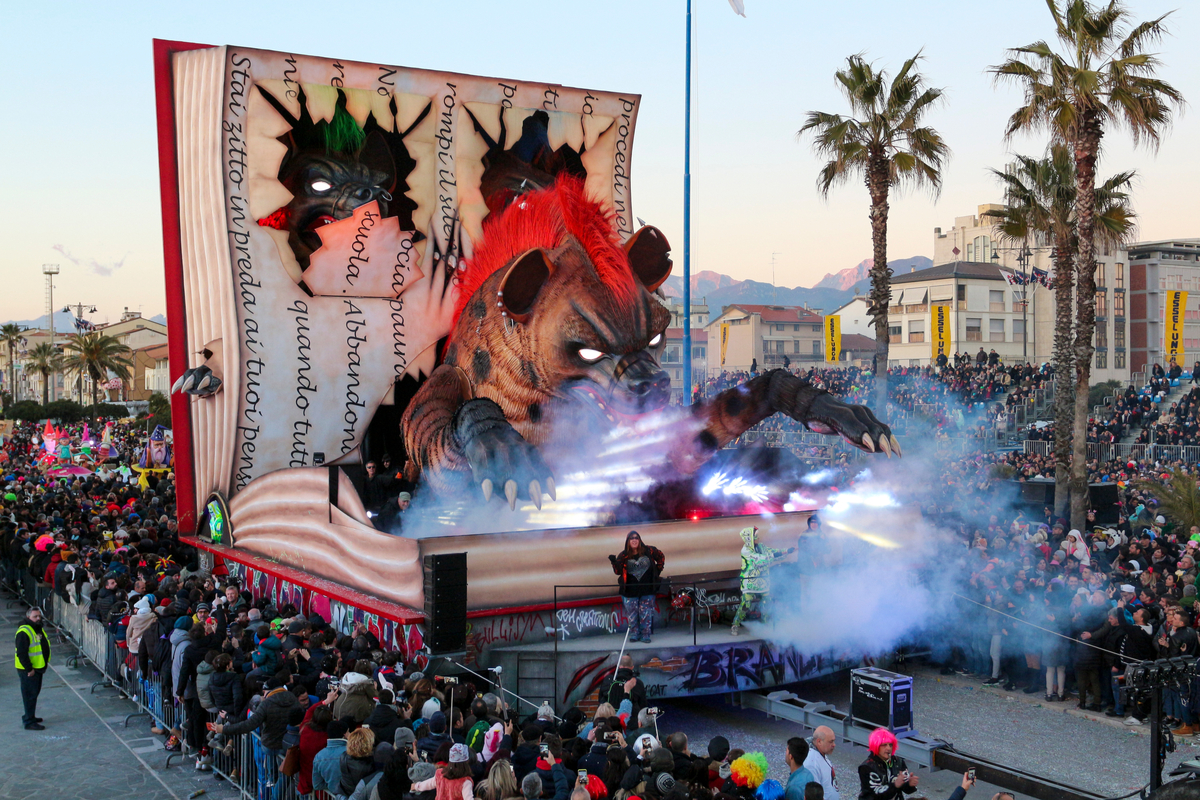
pixel 1128 588
pixel 404 737
pixel 421 771
pixel 296 627
pixel 383 753
pixel 459 753
pixel 1189 590
pixel 1135 568
pixel 664 782
pixel 718 748
pixel 437 723
pixel 183 624
pixel 143 604
pixel 431 707
pixel 351 678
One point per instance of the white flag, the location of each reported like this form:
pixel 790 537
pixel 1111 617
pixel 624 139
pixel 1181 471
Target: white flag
pixel 738 7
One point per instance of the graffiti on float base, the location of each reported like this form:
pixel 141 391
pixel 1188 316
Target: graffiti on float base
pixel 408 640
pixel 589 621
pixel 720 668
pixel 510 629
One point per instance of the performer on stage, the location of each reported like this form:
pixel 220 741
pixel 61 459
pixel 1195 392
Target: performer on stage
pixel 756 580
pixel 639 566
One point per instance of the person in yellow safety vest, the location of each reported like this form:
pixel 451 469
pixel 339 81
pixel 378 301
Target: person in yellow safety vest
pixel 32 658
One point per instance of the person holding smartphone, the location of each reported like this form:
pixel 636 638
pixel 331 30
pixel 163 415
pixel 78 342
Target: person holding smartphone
pixel 885 775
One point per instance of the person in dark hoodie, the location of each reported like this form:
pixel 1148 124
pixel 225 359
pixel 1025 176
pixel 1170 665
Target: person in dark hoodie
pixel 638 567
pixel 278 709
pixel 524 758
pixel 383 719
pixel 627 686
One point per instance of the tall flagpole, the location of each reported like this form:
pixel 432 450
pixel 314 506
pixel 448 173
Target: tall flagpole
pixel 687 216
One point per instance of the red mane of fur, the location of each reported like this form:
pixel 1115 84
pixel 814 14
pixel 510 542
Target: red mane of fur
pixel 547 219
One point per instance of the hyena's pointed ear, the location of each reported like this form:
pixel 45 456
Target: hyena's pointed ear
pixel 520 285
pixel 649 256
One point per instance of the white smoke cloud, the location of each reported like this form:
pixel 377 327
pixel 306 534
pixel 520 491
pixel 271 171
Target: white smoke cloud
pixel 101 268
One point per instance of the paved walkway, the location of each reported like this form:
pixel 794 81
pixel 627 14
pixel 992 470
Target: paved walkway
pixel 86 752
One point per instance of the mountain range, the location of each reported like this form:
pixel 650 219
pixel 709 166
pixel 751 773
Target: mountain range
pixel 831 292
pixel 64 321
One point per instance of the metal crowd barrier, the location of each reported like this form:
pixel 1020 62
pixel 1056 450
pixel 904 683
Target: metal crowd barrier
pixel 248 767
pixel 1105 451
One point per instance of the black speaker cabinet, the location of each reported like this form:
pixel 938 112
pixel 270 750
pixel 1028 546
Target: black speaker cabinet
pixel 446 602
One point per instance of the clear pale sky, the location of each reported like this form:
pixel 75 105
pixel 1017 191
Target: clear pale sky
pixel 81 171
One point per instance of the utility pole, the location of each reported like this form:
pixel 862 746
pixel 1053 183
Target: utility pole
pixel 76 311
pixel 50 270
pixel 687 214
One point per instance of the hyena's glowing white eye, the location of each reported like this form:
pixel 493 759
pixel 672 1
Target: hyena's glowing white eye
pixel 320 186
pixel 589 355
pixel 656 341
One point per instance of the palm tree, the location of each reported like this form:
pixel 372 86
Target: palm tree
pixel 46 359
pixel 884 144
pixel 1105 79
pixel 96 355
pixel 1178 498
pixel 11 334
pixel 1039 199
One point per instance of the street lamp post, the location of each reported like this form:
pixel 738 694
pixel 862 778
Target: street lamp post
pixel 50 270
pixel 1024 259
pixel 78 309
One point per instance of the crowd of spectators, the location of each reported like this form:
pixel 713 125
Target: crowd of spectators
pixel 1094 600
pixel 1047 609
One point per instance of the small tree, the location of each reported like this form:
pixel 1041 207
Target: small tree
pixel 1178 498
pixel 45 360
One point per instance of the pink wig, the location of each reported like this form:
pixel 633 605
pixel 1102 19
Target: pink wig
pixel 880 737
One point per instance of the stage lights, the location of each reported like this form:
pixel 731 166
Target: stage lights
pixel 1144 677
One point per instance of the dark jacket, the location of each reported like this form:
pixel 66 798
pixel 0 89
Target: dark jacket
pixel 616 692
pixel 102 602
pixel 430 744
pixel 594 760
pixel 276 711
pixel 227 693
pixel 193 656
pixel 384 721
pixel 1094 621
pixel 875 778
pixel 1137 645
pixel 524 761
pixel 354 770
pixel 631 585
